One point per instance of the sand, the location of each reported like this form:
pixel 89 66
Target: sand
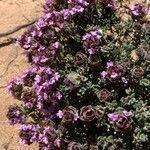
pixel 12 14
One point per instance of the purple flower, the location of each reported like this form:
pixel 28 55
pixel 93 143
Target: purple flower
pixel 66 14
pixel 114 75
pixel 18 40
pixel 24 41
pixel 48 138
pixel 60 114
pixel 29 99
pixel 139 10
pixel 122 121
pixel 103 74
pixel 57 95
pixel 48 134
pixel 15 87
pixel 47 101
pixel 91 41
pixel 127 113
pixel 15 115
pixel 47 108
pixel 76 116
pixel 56 76
pixel 73 3
pixel 28 133
pixel 56 45
pixel 109 64
pixel 113 116
pixel 124 80
pixel 41 23
pixel 44 81
pixel 113 71
pixel 76 9
pixel 28 77
pixel 55 18
pixel 57 142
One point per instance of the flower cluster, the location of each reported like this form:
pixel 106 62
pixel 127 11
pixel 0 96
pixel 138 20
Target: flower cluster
pixel 39 41
pixel 114 71
pixel 77 6
pixel 91 42
pixel 69 114
pixel 28 98
pixel 15 115
pixel 28 133
pixel 122 121
pixel 88 84
pixel 87 113
pixel 46 135
pixel 15 87
pixel 139 10
pixel 37 89
pixel 48 138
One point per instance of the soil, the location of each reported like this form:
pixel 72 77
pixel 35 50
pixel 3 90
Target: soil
pixel 12 63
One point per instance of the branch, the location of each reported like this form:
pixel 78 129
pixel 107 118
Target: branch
pixel 6 145
pixel 11 31
pixel 6 42
pixel 11 61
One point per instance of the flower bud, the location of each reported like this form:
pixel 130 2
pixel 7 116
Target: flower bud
pixel 70 114
pixel 79 58
pixel 137 71
pixel 122 124
pixel 103 95
pixel 87 113
pixel 121 121
pixel 75 146
pixel 99 111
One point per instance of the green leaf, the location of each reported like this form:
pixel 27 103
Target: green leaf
pixel 145 82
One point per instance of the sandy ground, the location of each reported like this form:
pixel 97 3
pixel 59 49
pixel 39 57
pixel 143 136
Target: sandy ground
pixel 12 14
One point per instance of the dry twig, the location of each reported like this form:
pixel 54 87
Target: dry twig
pixel 16 55
pixel 6 42
pixel 11 31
